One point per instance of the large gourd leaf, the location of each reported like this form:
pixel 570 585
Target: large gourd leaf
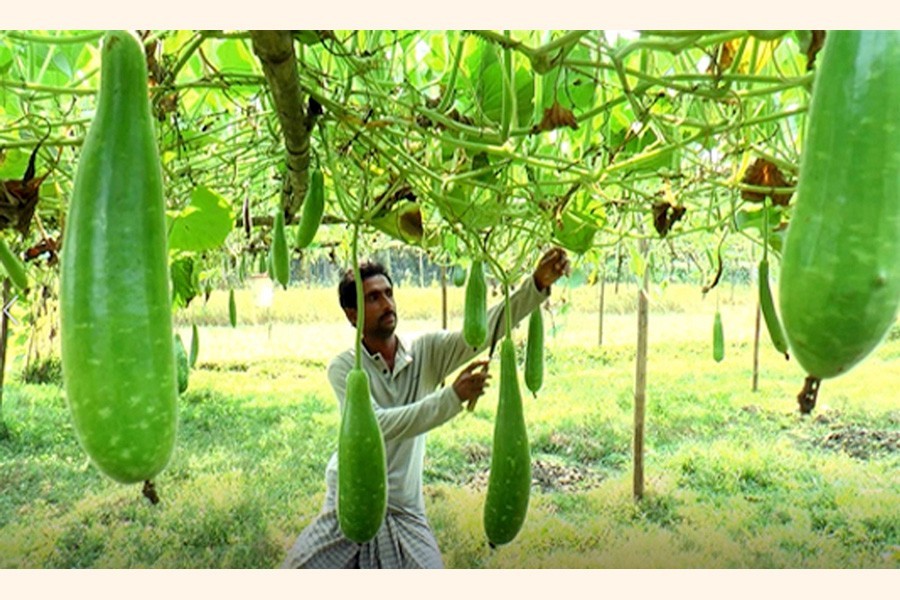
pixel 486 76
pixel 475 207
pixel 203 224
pixel 572 89
pixel 578 224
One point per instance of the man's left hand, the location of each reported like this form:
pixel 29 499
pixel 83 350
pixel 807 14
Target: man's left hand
pixel 553 265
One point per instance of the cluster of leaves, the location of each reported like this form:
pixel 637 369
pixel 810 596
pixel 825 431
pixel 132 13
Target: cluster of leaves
pixel 465 143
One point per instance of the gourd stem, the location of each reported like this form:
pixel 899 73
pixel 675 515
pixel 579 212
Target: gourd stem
pixel 507 312
pixel 447 100
pixel 807 396
pixel 360 301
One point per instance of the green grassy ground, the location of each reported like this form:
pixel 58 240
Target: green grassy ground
pixel 734 478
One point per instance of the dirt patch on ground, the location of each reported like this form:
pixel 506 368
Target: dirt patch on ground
pixel 861 442
pixel 548 476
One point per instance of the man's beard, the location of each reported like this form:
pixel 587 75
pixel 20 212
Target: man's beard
pixel 385 327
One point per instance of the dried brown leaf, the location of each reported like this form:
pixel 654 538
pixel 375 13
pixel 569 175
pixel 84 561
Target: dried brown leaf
pixel 555 117
pixel 764 173
pixel 815 45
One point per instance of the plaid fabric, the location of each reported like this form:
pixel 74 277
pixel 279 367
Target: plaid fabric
pixel 405 541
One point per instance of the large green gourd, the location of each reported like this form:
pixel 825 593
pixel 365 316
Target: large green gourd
pixel 509 483
pixel 116 320
pixel 362 467
pixel 840 274
pixel 475 308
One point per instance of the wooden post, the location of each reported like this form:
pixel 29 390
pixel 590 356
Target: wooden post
pixel 4 334
pixel 756 349
pixel 443 297
pixel 640 382
pixel 421 270
pixel 602 299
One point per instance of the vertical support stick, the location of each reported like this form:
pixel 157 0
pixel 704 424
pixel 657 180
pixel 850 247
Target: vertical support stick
pixel 443 297
pixel 756 349
pixel 602 300
pixel 421 270
pixel 4 334
pixel 640 382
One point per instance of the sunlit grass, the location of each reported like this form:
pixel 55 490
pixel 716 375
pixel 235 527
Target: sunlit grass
pixel 735 478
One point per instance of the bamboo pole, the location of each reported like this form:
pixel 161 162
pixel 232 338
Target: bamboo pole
pixel 4 334
pixel 640 383
pixel 756 349
pixel 600 328
pixel 443 297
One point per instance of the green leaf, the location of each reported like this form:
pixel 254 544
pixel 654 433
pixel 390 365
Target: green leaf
pixel 746 219
pixel 234 56
pixel 404 222
pixel 203 224
pixel 6 58
pixel 437 58
pixel 574 233
pixel 184 281
pixel 13 163
pixel 489 84
pixel 524 95
pixel 62 63
pixel 487 81
pixel 638 263
pixel 473 207
pixel 573 89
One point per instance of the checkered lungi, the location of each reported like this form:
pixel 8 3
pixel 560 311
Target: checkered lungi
pixel 405 541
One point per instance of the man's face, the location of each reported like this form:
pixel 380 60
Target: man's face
pixel 381 310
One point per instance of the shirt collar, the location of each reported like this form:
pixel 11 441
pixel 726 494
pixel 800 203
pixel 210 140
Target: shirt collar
pixel 402 360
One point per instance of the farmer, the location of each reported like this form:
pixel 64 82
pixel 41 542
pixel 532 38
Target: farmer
pixel 404 377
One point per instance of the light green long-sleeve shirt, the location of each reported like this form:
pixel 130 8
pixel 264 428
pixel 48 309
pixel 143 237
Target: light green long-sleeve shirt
pixel 407 402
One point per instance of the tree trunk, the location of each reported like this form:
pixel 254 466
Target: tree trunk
pixel 4 334
pixel 640 383
pixel 756 349
pixel 275 50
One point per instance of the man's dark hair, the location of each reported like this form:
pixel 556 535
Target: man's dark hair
pixel 347 286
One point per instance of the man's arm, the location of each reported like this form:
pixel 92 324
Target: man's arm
pixel 404 421
pixel 447 351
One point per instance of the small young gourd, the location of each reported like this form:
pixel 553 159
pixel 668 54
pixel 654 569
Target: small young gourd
pixel 312 210
pixel 475 308
pixel 534 352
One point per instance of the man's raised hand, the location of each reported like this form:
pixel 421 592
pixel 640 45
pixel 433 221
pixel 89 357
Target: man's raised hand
pixel 553 265
pixel 471 382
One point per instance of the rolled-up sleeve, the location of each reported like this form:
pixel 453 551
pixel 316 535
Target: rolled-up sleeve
pixel 408 420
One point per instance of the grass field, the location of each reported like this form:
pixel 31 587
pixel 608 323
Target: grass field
pixel 734 478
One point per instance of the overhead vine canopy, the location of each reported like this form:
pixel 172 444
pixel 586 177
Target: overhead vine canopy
pixel 456 141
